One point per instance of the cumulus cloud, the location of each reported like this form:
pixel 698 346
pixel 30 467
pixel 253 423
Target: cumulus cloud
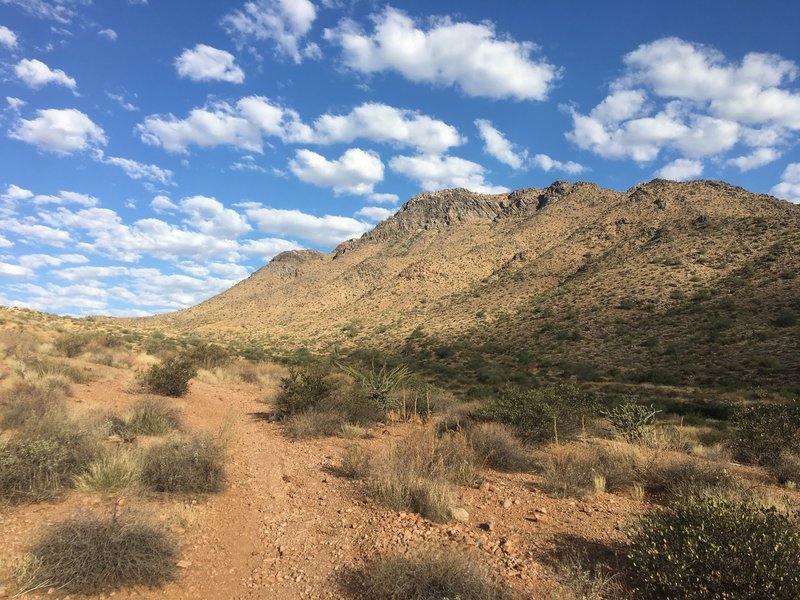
pixel 327 230
pixel 470 56
pixel 163 204
pixel 247 163
pixel 63 131
pixel 209 215
pixel 10 270
pixel 14 193
pixel 354 172
pixel 383 123
pixel 35 74
pixel 434 172
pixel 135 169
pixel 690 100
pixel 66 197
pixel 681 169
pixel 384 198
pixel 109 34
pixel 285 22
pixel 7 37
pixel 265 249
pixel 789 187
pixel 497 145
pixel 375 213
pixel 205 63
pixel 758 158
pixel 547 164
pixel 29 231
pixel 36 261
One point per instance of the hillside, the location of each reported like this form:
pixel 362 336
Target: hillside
pixel 673 283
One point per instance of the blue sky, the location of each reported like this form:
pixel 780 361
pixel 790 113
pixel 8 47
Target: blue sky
pixel 155 152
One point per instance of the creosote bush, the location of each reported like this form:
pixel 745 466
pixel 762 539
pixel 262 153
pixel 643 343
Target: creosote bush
pixel 715 548
pixel 762 432
pixel 184 465
pixel 170 378
pixel 303 389
pixel 86 556
pixel 428 576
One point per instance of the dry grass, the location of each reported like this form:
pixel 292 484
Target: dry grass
pixel 498 447
pixel 349 431
pixel 672 478
pixel 356 461
pixel 30 401
pixel 428 576
pixel 584 469
pixel 85 556
pixel 314 424
pixel 152 416
pixel 113 472
pixel 184 465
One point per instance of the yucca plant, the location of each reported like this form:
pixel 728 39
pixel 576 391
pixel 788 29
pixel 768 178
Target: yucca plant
pixel 379 383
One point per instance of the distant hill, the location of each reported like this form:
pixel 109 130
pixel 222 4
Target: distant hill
pixel 672 283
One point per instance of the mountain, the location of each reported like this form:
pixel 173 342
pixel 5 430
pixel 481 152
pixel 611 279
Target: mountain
pixel 671 283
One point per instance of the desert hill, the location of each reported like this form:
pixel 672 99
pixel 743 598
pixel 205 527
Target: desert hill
pixel 670 283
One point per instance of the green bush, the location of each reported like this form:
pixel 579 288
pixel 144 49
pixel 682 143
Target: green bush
pixel 170 378
pixel 207 356
pixel 711 548
pixel 192 465
pixel 762 432
pixel 538 413
pixel 427 576
pixel 85 556
pixel 303 389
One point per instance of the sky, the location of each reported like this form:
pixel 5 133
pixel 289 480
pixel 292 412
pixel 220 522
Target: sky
pixel 153 153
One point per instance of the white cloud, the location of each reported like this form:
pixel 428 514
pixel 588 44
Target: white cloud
pixel 29 231
pixel 7 37
pixel 5 243
pixel 758 158
pixel 34 261
pixel 15 103
pixel 327 230
pixel 681 169
pixel 230 270
pixel 120 99
pixel 470 56
pixel 35 74
pixel 383 123
pixel 109 34
pixel 209 216
pixel 135 169
pixel 691 100
pixel 789 187
pixel 434 172
pixel 266 248
pixel 204 63
pixel 375 213
pixel 495 144
pixel 14 270
pixel 355 172
pixel 285 22
pixel 163 204
pixel 547 164
pixel 14 193
pixel 59 130
pixel 55 10
pixel 66 197
pixel 384 198
pixel 247 163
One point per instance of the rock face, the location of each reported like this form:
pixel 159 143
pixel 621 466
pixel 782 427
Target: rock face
pixel 501 268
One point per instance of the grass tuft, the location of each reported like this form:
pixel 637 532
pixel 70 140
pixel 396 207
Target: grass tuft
pixel 189 465
pixel 152 417
pixel 111 473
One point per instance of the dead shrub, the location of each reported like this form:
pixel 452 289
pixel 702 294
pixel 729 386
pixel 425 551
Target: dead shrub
pixel 498 447
pixel 93 556
pixel 675 478
pixel 579 470
pixel 313 424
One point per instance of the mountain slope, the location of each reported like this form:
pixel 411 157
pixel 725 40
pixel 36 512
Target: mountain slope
pixel 667 282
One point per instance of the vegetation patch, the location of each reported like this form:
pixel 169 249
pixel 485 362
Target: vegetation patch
pixel 497 446
pixel 184 465
pixel 112 472
pixel 152 417
pixel 170 378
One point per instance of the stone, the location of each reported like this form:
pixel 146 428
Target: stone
pixel 459 514
pixel 183 564
pixel 488 526
pixel 507 503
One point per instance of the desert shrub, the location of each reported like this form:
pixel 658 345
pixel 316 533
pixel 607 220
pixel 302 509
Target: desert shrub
pixel 356 462
pixel 28 401
pixel 585 469
pixel 43 367
pixel 303 389
pixel 87 556
pixel 715 548
pixel 498 447
pixel 538 414
pixel 786 468
pixel 582 582
pixel 190 465
pixel 427 576
pixel 417 473
pixel 207 356
pixel 38 464
pixel 112 472
pixel 313 424
pixel 349 431
pixel 630 419
pixel 72 344
pixel 761 432
pixel 151 417
pixel 170 378
pixel 687 476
